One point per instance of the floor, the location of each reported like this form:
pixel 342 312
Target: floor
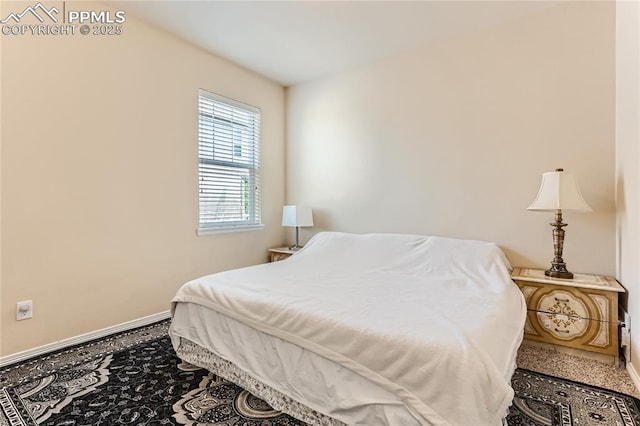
pixel 578 367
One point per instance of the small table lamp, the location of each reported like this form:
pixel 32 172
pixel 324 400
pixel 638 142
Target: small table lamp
pixel 559 191
pixel 297 216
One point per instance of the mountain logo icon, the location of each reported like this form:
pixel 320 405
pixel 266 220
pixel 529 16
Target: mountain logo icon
pixel 39 11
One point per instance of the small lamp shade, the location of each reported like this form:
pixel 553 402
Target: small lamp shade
pixel 297 216
pixel 559 191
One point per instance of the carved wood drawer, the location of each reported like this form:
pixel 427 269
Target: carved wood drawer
pixel 580 313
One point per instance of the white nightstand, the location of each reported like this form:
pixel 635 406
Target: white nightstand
pixel 579 313
pixel 279 253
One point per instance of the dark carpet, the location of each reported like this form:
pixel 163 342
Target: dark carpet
pixel 135 378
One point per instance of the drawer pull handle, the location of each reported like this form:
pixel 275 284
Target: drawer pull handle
pixel 561 331
pixel 561 300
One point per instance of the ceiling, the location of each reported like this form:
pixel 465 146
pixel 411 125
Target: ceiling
pixel 293 42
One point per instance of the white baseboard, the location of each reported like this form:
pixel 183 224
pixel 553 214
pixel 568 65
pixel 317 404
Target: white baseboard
pixel 83 338
pixel 634 375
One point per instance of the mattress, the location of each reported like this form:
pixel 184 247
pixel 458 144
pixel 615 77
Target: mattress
pixel 369 329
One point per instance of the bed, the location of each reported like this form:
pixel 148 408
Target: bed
pixel 363 329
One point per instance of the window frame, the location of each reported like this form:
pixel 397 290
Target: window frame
pixel 252 166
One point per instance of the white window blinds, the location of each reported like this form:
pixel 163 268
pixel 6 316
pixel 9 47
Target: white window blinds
pixel 229 157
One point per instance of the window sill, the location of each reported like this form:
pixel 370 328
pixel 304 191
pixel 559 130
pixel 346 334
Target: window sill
pixel 226 229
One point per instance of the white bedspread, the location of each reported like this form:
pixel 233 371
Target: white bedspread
pixel 433 320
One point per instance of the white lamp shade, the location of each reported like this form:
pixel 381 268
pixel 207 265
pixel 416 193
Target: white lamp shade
pixel 559 191
pixel 297 216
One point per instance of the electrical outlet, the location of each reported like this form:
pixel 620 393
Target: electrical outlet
pixel 24 310
pixel 625 342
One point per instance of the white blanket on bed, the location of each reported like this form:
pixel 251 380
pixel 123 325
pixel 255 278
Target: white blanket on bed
pixel 434 320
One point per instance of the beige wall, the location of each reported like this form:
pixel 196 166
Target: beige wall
pixel 452 139
pixel 628 162
pixel 99 177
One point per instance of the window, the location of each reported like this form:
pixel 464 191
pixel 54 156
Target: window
pixel 229 157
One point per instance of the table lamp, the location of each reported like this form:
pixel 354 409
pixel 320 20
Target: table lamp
pixel 297 216
pixel 558 191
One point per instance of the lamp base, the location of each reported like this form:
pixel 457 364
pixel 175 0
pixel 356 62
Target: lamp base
pixel 558 271
pixel 558 267
pixel 295 247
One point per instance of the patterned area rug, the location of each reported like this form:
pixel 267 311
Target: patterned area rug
pixel 550 401
pixel 135 378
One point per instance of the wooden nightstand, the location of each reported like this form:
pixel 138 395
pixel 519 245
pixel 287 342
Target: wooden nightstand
pixel 580 313
pixel 279 253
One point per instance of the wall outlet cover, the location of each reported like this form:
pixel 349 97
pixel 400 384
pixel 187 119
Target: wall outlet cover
pixel 24 310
